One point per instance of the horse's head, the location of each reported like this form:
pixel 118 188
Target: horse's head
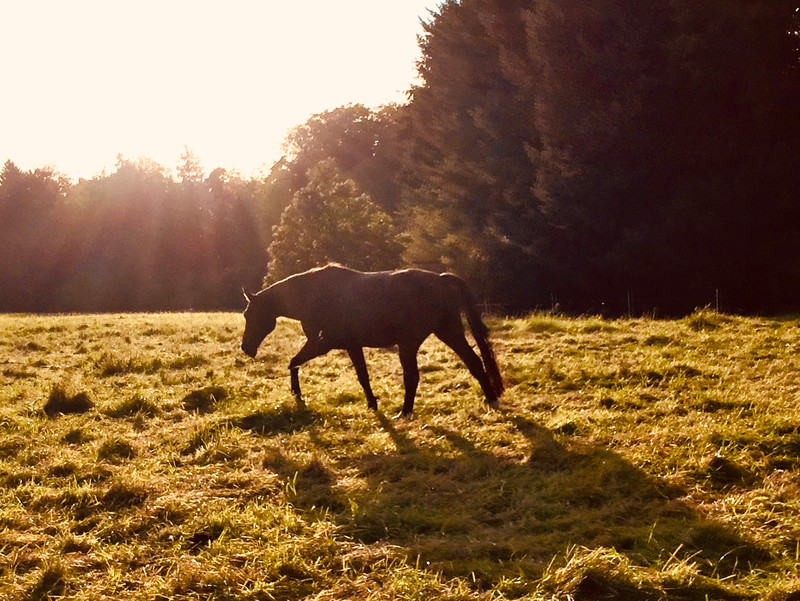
pixel 259 321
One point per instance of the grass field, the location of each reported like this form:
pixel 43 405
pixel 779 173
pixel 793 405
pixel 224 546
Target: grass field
pixel 146 457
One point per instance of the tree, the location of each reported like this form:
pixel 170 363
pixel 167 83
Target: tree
pixel 31 230
pixel 471 149
pixel 603 174
pixel 237 256
pixel 589 149
pixel 663 165
pixel 190 171
pixel 361 143
pixel 139 240
pixel 267 197
pixel 329 220
pixel 116 226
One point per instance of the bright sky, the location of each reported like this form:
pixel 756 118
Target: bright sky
pixel 86 80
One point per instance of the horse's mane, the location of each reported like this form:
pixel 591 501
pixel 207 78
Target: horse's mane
pixel 299 277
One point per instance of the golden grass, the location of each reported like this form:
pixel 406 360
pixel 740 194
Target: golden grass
pixel 636 458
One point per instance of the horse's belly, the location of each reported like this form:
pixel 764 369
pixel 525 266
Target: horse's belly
pixel 372 334
pixel 370 339
pixel 384 320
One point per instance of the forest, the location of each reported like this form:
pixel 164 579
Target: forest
pixel 601 157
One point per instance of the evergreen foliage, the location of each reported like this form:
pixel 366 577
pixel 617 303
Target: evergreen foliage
pixel 468 153
pixel 589 149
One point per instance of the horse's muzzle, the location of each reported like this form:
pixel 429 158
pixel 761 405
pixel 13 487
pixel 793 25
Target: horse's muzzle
pixel 250 351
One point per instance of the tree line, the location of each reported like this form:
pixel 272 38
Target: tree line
pixel 598 156
pixel 135 239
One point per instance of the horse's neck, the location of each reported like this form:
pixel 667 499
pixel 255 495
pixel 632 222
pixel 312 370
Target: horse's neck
pixel 287 298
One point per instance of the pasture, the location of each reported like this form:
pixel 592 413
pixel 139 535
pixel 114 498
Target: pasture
pixel 146 457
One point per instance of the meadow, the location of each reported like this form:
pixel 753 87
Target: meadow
pixel 144 456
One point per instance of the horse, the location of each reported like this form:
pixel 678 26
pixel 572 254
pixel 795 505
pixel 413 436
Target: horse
pixel 341 308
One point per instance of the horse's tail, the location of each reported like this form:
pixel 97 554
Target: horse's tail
pixel 479 331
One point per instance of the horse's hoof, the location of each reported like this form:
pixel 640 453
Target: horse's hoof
pixel 404 415
pixel 494 405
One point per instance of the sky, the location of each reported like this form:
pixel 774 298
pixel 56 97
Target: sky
pixel 84 81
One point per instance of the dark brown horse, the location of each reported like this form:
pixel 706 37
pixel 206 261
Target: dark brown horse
pixel 340 308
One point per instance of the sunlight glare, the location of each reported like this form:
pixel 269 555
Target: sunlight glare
pixel 94 79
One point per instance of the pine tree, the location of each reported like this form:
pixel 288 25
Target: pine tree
pixel 471 149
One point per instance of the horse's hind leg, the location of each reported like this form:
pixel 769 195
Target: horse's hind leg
pixel 455 339
pixel 408 359
pixel 357 357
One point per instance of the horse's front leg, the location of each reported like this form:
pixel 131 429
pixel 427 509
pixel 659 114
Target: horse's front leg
pixel 357 357
pixel 294 377
pixel 312 348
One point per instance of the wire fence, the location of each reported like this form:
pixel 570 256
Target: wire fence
pixel 629 303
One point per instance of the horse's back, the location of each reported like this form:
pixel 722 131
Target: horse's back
pixel 380 308
pixel 412 288
pixel 335 281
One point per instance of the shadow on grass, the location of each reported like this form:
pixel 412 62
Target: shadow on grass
pixel 473 513
pixel 282 420
pixel 309 483
pixel 470 512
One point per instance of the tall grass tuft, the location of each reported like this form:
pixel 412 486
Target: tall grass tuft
pixel 205 399
pixel 50 582
pixel 59 402
pixel 706 320
pixel 115 450
pixel 135 405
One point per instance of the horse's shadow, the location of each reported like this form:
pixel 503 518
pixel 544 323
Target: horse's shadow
pixel 473 511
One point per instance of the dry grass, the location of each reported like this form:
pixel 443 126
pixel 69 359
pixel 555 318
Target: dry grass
pixel 638 459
